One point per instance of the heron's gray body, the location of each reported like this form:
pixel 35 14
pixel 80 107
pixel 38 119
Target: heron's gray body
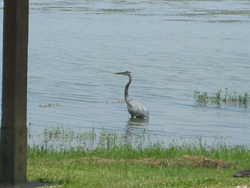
pixel 135 108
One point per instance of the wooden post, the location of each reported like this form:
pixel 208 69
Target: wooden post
pixel 14 93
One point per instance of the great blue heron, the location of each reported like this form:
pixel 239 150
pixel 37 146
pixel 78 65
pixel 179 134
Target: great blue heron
pixel 135 108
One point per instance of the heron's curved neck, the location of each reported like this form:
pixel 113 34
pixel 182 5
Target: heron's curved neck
pixel 126 88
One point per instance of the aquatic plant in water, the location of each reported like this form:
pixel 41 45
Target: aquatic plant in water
pixel 61 137
pixel 221 96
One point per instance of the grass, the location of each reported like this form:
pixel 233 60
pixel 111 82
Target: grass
pixel 108 162
pixel 222 96
pixel 79 174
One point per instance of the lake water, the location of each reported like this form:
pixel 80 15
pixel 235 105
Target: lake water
pixel 172 49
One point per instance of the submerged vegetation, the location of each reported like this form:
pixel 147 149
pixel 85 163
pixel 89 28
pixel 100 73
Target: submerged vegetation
pixel 104 159
pixel 64 138
pixel 222 96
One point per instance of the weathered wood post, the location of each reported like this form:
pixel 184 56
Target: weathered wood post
pixel 14 93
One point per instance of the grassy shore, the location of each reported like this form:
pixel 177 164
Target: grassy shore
pixel 114 164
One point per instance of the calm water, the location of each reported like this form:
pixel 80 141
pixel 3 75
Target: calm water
pixel 172 48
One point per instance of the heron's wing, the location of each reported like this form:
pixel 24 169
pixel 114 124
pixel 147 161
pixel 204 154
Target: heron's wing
pixel 136 108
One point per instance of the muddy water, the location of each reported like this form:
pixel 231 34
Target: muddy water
pixel 172 48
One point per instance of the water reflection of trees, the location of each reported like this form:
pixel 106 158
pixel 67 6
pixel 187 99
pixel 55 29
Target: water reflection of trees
pixel 136 131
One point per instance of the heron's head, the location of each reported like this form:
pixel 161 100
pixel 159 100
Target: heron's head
pixel 124 73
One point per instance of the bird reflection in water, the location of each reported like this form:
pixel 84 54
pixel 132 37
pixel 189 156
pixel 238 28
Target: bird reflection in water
pixel 135 127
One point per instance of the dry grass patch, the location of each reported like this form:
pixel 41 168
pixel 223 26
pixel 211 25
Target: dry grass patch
pixel 185 160
pixel 200 161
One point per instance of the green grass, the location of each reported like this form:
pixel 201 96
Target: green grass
pixel 222 96
pixel 111 163
pixel 77 174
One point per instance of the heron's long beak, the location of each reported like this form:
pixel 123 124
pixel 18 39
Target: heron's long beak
pixel 120 73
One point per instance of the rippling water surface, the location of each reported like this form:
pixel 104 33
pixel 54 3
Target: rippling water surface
pixel 172 48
